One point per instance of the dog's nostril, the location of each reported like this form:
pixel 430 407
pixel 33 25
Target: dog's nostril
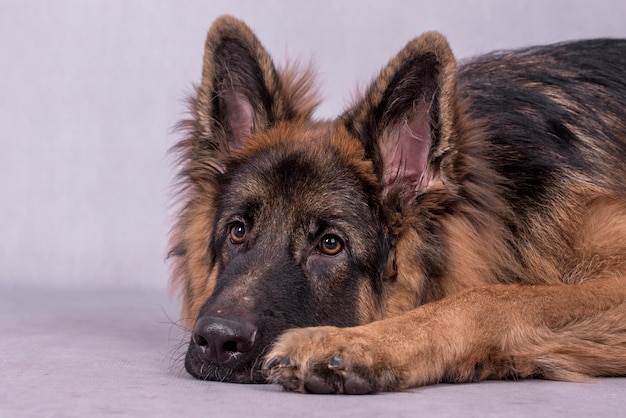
pixel 230 346
pixel 221 339
pixel 200 340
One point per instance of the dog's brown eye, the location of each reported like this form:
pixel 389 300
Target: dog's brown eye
pixel 237 232
pixel 331 245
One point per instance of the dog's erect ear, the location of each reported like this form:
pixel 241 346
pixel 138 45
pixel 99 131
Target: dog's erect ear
pixel 242 91
pixel 238 82
pixel 406 116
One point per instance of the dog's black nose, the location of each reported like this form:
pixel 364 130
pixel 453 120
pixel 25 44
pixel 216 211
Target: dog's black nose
pixel 222 340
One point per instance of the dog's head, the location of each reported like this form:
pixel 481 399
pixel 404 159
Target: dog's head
pixel 290 222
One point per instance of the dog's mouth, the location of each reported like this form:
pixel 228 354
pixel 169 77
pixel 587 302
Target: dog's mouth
pixel 226 349
pixel 240 371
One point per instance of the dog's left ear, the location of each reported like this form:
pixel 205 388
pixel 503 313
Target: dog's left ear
pixel 406 117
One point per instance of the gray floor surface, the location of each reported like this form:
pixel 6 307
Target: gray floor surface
pixel 71 353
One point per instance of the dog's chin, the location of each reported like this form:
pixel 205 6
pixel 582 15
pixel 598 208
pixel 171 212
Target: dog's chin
pixel 239 374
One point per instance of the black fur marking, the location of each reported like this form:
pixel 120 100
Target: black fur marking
pixel 532 147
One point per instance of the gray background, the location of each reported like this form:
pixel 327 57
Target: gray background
pixel 90 91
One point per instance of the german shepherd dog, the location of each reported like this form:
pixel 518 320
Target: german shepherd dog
pixel 456 223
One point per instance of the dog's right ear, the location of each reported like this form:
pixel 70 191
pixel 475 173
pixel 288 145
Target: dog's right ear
pixel 238 83
pixel 241 92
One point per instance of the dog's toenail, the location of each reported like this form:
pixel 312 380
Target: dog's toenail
pixel 271 363
pixel 336 362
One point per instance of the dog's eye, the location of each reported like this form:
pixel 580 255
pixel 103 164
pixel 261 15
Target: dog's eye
pixel 331 245
pixel 237 232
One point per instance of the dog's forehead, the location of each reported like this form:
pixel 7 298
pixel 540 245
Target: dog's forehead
pixel 296 176
pixel 319 166
pixel 305 157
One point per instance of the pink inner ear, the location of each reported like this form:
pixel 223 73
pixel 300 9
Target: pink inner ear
pixel 405 153
pixel 239 118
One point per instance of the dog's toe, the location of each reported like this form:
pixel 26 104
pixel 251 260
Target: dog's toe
pixel 336 376
pixel 316 384
pixel 322 360
pixel 356 385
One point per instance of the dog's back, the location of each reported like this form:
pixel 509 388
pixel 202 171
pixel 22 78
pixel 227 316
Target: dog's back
pixel 553 114
pixel 554 124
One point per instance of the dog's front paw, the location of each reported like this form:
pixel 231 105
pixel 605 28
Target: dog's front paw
pixel 329 360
